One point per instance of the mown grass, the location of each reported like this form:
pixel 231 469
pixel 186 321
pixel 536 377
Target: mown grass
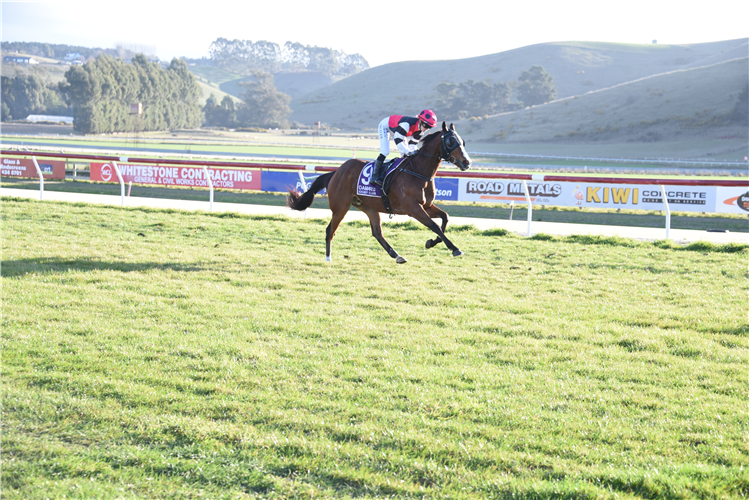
pixel 167 354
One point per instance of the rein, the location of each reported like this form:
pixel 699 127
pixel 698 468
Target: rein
pixel 445 155
pixel 414 172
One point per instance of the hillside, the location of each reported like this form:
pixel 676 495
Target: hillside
pixel 674 105
pixel 361 100
pixel 49 70
pixel 220 82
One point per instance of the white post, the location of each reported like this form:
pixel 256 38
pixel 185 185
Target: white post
pixel 530 207
pixel 304 186
pixel 122 183
pixel 668 212
pixel 41 179
pixel 210 186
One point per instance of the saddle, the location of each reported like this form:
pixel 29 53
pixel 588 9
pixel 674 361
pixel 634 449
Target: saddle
pixel 367 188
pixel 387 182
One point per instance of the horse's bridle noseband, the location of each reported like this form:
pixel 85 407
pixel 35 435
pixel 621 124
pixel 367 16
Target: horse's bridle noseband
pixel 449 144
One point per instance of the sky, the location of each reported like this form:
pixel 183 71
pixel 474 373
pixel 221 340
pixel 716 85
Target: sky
pixel 383 31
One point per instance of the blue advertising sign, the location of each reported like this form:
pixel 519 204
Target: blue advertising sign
pixel 446 189
pixel 281 182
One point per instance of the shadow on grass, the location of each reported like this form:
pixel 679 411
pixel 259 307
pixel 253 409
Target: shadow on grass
pixel 42 265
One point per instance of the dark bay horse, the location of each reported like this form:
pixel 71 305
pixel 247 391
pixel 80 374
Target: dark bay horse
pixel 411 192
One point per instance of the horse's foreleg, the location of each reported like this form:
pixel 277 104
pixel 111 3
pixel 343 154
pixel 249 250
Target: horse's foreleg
pixel 417 212
pixel 376 224
pixel 433 213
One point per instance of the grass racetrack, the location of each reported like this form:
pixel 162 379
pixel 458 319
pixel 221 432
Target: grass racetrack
pixel 167 354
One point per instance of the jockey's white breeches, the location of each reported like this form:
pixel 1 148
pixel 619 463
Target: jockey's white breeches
pixel 383 130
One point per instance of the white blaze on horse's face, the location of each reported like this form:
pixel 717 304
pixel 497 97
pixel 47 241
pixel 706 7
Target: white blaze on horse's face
pixel 453 142
pixel 465 164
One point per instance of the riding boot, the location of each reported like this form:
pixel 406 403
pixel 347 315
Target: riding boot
pixel 378 171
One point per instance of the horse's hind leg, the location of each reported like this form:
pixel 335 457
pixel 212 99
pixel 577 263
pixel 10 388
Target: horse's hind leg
pixel 433 213
pixel 330 232
pixel 376 224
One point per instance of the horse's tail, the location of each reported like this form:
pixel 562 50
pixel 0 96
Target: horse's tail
pixel 296 201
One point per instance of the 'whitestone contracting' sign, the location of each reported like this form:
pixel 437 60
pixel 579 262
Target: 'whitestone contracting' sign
pixel 228 178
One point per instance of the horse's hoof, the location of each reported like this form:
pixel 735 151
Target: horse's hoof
pixel 328 258
pixel 400 260
pixel 429 244
pixel 457 253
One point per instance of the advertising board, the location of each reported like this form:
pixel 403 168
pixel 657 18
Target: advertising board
pixel 733 200
pixel 445 188
pixel 21 167
pixel 594 195
pixel 570 194
pixel 228 178
pixel 280 182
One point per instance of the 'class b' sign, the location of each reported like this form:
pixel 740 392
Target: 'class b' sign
pixel 21 167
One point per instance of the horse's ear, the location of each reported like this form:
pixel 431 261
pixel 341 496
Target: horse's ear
pixel 444 126
pixel 452 126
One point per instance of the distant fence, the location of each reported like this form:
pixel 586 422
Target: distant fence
pixel 697 195
pixel 665 161
pixel 739 166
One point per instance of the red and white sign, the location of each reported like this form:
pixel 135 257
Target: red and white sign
pixel 21 167
pixel 228 178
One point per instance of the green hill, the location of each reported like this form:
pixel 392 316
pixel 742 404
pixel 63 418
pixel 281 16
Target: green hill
pixel 221 82
pixel 361 100
pixel 674 105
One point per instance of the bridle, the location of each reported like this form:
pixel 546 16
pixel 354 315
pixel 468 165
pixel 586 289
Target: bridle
pixel 449 143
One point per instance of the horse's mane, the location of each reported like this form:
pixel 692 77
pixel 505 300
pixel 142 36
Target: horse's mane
pixel 429 138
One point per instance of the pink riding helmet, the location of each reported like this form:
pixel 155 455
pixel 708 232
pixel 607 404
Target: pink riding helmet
pixel 428 117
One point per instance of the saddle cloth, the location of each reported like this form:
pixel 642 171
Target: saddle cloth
pixel 364 186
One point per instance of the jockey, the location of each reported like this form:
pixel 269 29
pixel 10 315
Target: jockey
pixel 407 131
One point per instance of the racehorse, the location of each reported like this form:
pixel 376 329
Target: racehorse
pixel 411 191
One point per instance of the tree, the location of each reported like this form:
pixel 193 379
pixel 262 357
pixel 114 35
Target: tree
pixel 471 98
pixel 102 90
pixel 244 56
pixel 220 115
pixel 263 105
pixel 26 95
pixel 536 86
pixel 740 112
pixel 6 116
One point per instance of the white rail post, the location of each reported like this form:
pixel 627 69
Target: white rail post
pixel 530 207
pixel 307 168
pixel 122 183
pixel 668 212
pixel 41 179
pixel 210 186
pixel 303 183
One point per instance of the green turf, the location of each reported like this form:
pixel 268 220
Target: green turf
pixel 166 354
